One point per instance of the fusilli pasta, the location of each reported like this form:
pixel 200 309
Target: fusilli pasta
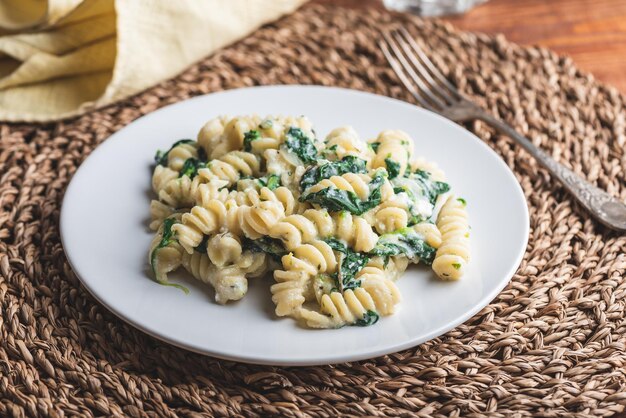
pixel 337 221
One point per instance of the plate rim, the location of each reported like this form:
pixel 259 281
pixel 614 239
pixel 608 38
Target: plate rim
pixel 304 361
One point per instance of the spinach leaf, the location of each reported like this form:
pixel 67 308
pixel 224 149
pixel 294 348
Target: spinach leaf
pixel 336 244
pixel 166 239
pixel 248 137
pixel 191 167
pixel 351 263
pixel 273 247
pixel 407 242
pixel 301 145
pixel 432 189
pixel 315 174
pixel 271 182
pixel 161 157
pixel 393 168
pixel 374 146
pixel 202 247
pixel 336 200
pixel 369 318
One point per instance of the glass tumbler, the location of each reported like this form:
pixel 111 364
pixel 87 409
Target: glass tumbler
pixel 432 7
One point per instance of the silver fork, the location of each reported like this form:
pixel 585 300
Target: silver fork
pixel 433 92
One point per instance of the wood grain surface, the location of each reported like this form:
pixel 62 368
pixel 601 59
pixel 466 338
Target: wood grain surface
pixel 592 32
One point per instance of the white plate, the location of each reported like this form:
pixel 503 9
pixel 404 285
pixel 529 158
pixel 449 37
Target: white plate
pixel 106 239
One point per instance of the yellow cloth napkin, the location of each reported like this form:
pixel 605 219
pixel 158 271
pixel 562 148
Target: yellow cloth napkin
pixel 61 58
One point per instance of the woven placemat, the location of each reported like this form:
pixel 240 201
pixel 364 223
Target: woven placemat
pixel 551 344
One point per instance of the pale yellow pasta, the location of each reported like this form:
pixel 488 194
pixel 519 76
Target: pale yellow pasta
pixel 224 249
pixel 158 212
pixel 281 195
pixel 215 189
pixel 430 232
pixel 231 167
pixel 232 136
pixel 180 192
pixel 177 156
pixel 295 230
pixel 351 182
pixel 389 219
pixel 232 203
pixel 209 136
pixel 289 170
pixel 344 141
pixel 256 221
pixel 162 176
pixel 453 253
pixel 207 219
pixel 420 163
pixel 395 145
pixel 164 259
pixel 299 267
pixel 229 283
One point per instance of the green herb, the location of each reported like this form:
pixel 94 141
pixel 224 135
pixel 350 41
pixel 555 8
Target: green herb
pixel 393 168
pixel 266 124
pixel 271 182
pixel 166 239
pixel 369 318
pixel 351 263
pixel 273 247
pixel 336 200
pixel 161 157
pixel 431 189
pixel 457 266
pixel 202 247
pixel 374 146
pixel 315 174
pixel 336 244
pixel 191 167
pixel 248 137
pixel 463 201
pixel 407 242
pixel 301 145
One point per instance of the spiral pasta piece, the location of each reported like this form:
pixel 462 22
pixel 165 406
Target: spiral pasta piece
pixel 298 267
pixel 436 173
pixel 231 167
pixel 389 219
pixel 295 230
pixel 281 195
pixel 177 156
pixel 164 259
pixel 158 212
pixel 430 232
pixel 395 145
pixel 229 282
pixel 232 136
pixel 161 177
pixel 224 249
pixel 351 182
pixel 256 221
pixel 453 253
pixel 207 219
pixel 345 141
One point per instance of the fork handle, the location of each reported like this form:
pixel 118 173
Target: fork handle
pixel 604 207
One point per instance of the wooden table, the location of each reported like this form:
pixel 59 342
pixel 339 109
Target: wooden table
pixel 592 32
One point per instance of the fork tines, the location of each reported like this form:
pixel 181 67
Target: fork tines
pixel 416 71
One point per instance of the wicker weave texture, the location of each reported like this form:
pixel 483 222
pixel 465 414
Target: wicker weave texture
pixel 553 343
